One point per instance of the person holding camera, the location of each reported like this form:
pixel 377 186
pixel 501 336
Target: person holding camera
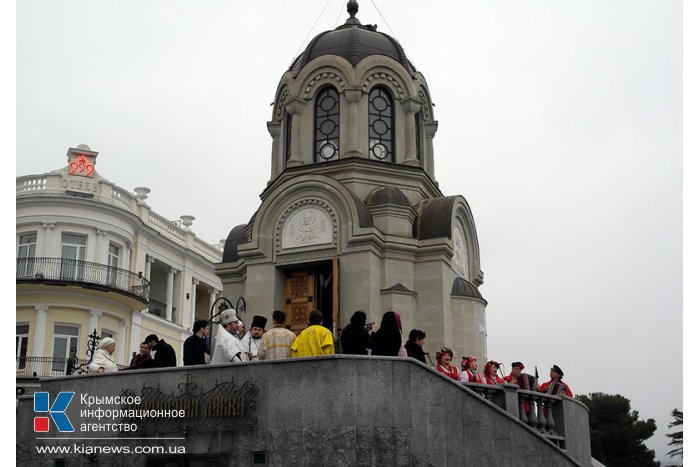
pixel 354 339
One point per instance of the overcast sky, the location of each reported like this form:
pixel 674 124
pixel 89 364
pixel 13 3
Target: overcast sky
pixel 560 122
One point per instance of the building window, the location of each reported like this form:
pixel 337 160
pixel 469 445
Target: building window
pixel 72 256
pixel 287 137
pixel 381 125
pixel 327 137
pixel 26 251
pixel 112 263
pixel 65 337
pixel 113 256
pixel 27 245
pixel 22 338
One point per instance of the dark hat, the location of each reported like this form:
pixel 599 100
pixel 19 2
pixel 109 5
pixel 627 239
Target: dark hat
pixel 558 370
pixel 259 322
pixel 199 324
pixel 514 364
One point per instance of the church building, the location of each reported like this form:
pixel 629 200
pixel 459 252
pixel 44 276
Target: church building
pixel 352 217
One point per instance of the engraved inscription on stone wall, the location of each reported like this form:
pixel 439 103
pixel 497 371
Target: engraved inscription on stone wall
pixel 460 258
pixel 307 226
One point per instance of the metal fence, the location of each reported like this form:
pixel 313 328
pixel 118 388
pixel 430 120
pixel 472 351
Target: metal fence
pixel 46 367
pixel 83 272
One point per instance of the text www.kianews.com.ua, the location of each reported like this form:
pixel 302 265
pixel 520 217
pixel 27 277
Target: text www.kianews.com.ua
pixel 89 449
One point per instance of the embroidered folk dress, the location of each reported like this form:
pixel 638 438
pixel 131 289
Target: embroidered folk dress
pixel 468 376
pixel 493 380
pixel 451 371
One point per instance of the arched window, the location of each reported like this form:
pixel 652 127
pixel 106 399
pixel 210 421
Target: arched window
pixel 381 125
pixel 327 135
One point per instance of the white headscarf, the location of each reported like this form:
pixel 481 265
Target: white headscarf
pixel 104 342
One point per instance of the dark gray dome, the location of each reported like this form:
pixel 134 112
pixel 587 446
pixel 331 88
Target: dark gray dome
pixel 235 237
pixel 434 218
pixel 463 288
pixel 387 195
pixel 352 41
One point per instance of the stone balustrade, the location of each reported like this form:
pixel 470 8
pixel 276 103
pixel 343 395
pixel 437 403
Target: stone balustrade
pixel 107 192
pixel 31 183
pixel 545 413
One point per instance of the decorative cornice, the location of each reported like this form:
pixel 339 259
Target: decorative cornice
pixel 280 103
pixel 384 78
pixel 424 105
pixel 325 77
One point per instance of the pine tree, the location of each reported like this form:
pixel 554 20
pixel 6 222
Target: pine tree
pixel 676 436
pixel 617 433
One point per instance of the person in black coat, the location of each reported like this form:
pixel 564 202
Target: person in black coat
pixel 387 341
pixel 142 359
pixel 414 345
pixel 195 346
pixel 165 354
pixel 355 337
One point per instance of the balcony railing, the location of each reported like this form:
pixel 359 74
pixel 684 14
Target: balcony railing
pixel 158 308
pixel 64 270
pixel 46 367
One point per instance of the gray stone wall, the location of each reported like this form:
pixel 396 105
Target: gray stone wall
pixel 337 410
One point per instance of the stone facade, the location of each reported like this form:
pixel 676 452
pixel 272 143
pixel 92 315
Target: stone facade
pixel 93 256
pixel 371 221
pixel 331 411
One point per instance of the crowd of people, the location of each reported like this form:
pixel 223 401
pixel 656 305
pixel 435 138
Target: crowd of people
pixel 234 344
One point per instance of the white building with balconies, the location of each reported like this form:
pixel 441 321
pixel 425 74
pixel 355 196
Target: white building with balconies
pixel 94 257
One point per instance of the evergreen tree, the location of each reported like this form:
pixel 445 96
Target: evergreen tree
pixel 676 436
pixel 617 433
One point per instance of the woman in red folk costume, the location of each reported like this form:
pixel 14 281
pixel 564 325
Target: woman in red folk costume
pixel 469 371
pixel 444 357
pixel 515 372
pixel 491 373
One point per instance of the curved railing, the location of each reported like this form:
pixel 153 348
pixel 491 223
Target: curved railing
pixel 82 272
pixel 542 412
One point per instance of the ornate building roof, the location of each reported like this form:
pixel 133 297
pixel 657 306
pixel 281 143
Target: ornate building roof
pixel 352 41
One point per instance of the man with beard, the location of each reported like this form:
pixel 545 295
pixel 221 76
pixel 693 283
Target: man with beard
pixel 227 346
pixel 252 341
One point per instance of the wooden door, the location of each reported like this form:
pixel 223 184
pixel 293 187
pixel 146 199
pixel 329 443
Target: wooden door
pixel 300 299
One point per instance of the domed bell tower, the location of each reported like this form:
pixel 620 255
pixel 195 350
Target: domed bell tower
pixel 352 217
